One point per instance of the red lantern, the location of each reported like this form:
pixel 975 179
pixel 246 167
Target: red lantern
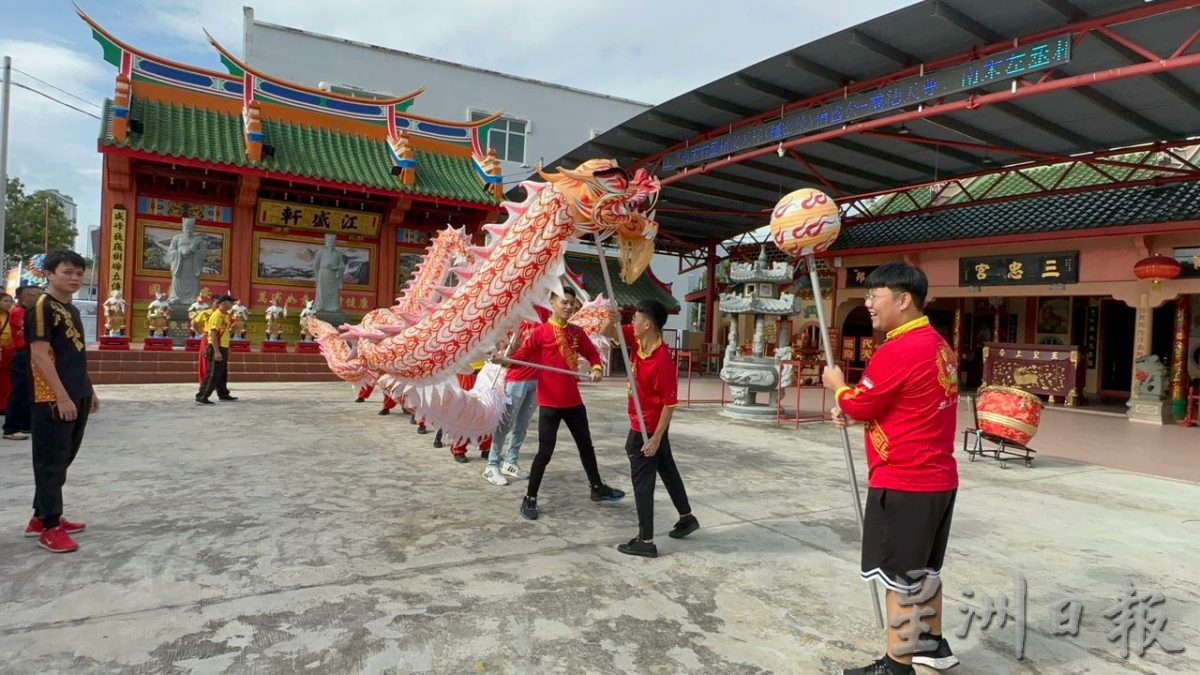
pixel 1157 269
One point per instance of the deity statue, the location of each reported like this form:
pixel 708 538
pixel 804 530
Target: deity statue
pixel 240 314
pixel 114 314
pixel 305 313
pixel 186 256
pixel 329 269
pixel 158 314
pixel 195 308
pixel 275 316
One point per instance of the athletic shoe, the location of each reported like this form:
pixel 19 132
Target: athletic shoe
pixel 34 528
pixel 493 476
pixel 359 399
pixel 884 666
pixel 226 398
pixel 638 547
pixel 605 493
pixel 686 525
pixel 16 436
pixel 204 401
pixel 484 454
pixel 385 411
pixel 939 658
pixel 529 508
pixel 56 540
pixel 422 430
pixel 461 459
pixel 514 471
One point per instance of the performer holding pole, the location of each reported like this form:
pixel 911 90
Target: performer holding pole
pixel 805 222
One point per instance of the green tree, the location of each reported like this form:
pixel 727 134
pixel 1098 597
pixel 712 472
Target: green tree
pixel 25 224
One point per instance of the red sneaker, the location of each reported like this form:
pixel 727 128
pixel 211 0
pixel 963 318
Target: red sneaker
pixel 35 529
pixel 56 540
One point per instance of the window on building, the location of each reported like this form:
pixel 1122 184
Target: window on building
pixel 506 137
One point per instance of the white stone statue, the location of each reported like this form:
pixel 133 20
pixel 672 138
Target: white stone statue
pixel 195 308
pixel 158 314
pixel 275 316
pixel 185 255
pixel 329 269
pixel 114 314
pixel 308 311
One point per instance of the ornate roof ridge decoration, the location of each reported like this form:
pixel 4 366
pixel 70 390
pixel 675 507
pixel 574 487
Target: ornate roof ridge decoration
pixel 778 272
pixel 785 305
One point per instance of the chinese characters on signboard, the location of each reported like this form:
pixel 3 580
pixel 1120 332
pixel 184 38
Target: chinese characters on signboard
pixel 1020 270
pixel 856 277
pixel 117 241
pixel 320 218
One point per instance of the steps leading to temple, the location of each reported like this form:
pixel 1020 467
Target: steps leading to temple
pixel 141 367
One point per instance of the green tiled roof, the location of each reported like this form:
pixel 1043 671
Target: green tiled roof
pixel 1017 183
pixel 215 137
pixel 627 295
pixel 1051 213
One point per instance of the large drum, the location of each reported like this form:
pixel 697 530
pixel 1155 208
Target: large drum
pixel 1009 413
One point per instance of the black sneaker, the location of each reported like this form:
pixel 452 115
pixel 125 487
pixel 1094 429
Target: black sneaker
pixel 605 493
pixel 461 459
pixel 884 666
pixel 638 547
pixel 529 509
pixel 227 398
pixel 204 401
pixel 686 525
pixel 422 430
pixel 359 399
pixel 485 454
pixel 939 658
pixel 385 411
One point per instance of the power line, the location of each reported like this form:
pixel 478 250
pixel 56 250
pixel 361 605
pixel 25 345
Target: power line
pixel 62 103
pixel 60 89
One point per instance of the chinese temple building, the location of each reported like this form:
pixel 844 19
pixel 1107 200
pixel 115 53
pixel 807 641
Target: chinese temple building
pixel 267 168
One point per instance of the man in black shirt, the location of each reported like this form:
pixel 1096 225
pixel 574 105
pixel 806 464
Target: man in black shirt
pixel 16 419
pixel 62 397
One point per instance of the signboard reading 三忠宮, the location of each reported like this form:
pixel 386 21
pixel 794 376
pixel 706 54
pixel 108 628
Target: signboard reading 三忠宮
pixel 1032 57
pixel 1020 270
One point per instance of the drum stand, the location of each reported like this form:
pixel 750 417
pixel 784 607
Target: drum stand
pixel 1004 446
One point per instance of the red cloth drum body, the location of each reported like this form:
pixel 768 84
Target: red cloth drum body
pixel 1009 413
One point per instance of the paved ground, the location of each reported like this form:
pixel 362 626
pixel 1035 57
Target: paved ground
pixel 296 531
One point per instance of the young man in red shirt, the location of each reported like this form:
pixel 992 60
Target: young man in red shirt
pixel 908 398
pixel 657 380
pixel 560 345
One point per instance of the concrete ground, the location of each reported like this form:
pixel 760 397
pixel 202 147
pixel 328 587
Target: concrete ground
pixel 297 531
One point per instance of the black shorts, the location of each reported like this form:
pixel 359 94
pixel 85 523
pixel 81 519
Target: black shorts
pixel 904 536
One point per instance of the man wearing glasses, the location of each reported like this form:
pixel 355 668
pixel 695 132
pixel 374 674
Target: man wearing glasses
pixel 908 398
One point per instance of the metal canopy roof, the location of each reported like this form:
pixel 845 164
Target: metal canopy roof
pixel 709 204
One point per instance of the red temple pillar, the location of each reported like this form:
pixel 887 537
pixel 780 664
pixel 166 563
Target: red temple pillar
pixel 1179 353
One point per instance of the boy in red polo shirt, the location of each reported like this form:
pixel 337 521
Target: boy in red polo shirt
pixel 559 344
pixel 657 381
pixel 908 397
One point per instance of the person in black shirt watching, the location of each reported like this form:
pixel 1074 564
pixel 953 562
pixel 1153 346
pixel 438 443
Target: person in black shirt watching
pixel 16 419
pixel 62 397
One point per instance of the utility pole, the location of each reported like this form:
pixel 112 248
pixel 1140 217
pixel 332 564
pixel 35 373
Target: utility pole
pixel 46 224
pixel 4 96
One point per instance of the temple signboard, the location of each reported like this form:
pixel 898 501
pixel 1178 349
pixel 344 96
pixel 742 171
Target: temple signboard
pixel 1049 370
pixel 291 215
pixel 1020 270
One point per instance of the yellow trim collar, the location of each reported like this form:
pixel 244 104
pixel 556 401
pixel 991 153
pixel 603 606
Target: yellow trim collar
pixel 911 325
pixel 646 354
pixel 554 322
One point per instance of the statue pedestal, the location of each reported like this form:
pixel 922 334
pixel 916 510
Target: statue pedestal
pixel 273 347
pixel 192 344
pixel 114 342
pixel 158 344
pixel 180 329
pixel 1151 411
pixel 239 345
pixel 308 347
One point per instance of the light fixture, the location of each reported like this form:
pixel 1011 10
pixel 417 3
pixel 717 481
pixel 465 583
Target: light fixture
pixel 780 151
pixel 903 130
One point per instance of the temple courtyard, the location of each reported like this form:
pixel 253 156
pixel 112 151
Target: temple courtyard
pixel 295 531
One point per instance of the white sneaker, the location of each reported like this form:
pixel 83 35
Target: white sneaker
pixel 514 471
pixel 493 476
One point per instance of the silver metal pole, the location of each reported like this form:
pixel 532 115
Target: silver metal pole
pixel 854 493
pixel 637 400
pixel 4 99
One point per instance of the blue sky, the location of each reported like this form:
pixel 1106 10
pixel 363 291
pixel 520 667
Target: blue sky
pixel 649 52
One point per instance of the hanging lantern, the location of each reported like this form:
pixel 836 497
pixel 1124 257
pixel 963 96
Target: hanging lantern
pixel 1157 269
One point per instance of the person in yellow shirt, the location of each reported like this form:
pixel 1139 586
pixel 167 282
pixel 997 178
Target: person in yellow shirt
pixel 216 354
pixel 199 323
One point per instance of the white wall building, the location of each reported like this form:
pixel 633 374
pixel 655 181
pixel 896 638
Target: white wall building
pixel 65 202
pixel 542 121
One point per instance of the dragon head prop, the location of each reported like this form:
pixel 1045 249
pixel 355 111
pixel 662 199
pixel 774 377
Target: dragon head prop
pixel 604 201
